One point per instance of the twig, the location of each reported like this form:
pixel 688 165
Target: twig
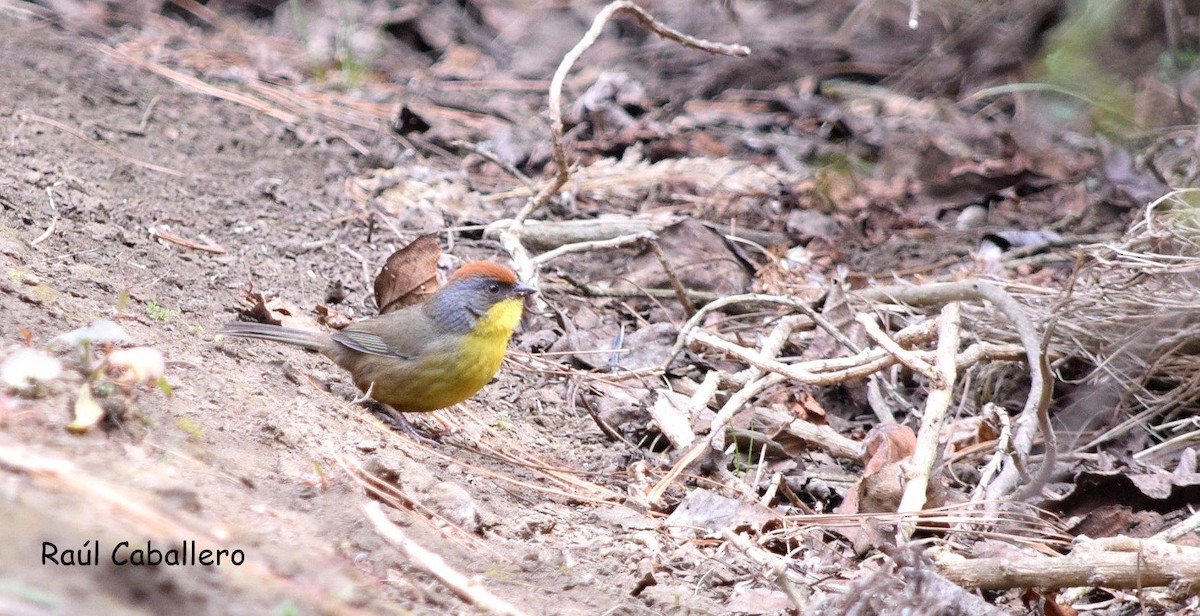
pixel 510 233
pixel 823 437
pixel 186 243
pixel 936 405
pixel 1113 562
pixel 615 242
pixel 193 83
pixel 704 393
pixel 700 297
pixel 776 567
pixel 53 220
pixel 1035 416
pixel 904 356
pixel 491 157
pixel 612 434
pixel 758 360
pixel 754 383
pixel 716 437
pixel 683 338
pixel 1003 444
pixel 560 75
pixel 680 292
pixel 550 234
pixel 103 148
pixel 432 564
pixel 824 372
pixel 1187 526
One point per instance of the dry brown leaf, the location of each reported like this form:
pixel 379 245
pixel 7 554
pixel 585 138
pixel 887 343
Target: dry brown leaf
pixel 332 318
pixel 888 443
pixel 409 276
pixel 1045 603
pixel 882 483
pixel 276 311
pixel 807 407
pixel 699 257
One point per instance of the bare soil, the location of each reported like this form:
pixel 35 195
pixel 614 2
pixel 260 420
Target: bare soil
pixel 245 452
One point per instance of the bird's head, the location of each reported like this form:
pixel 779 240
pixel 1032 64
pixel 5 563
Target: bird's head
pixel 482 298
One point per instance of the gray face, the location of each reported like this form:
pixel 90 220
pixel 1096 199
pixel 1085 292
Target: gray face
pixel 459 304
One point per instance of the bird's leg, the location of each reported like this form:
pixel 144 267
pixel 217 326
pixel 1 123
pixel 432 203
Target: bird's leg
pixel 406 426
pixel 398 420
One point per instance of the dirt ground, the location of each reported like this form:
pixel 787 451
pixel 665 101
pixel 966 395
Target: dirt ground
pixel 128 194
pixel 244 454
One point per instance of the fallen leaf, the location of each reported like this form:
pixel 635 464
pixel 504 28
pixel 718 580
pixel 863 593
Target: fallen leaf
pixel 88 412
pixel 887 443
pixel 884 475
pixel 590 340
pixel 1147 491
pixel 1113 520
pixel 409 275
pixel 699 257
pixel 808 408
pixel 1045 603
pixel 647 346
pixel 332 318
pixel 708 510
pixel 276 311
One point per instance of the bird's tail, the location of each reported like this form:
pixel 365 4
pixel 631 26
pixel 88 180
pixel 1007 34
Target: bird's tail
pixel 274 333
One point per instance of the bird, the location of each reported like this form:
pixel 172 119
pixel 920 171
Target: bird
pixel 424 357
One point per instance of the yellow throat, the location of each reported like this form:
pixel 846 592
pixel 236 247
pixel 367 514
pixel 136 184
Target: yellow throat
pixel 487 342
pixel 497 324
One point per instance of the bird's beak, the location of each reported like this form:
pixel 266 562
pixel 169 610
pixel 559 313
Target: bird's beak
pixel 522 290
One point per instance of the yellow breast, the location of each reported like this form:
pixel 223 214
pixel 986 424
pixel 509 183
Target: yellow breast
pixel 483 351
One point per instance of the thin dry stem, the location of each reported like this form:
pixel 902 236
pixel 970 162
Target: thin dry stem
pixel 616 242
pixel 1003 445
pixel 74 132
pixel 680 292
pixel 776 567
pixel 560 75
pixel 510 234
pixel 936 405
pixel 906 357
pixel 467 589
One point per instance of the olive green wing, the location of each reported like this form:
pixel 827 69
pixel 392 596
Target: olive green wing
pixel 403 334
pixel 366 342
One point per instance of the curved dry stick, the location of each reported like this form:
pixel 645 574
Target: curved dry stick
pixel 560 75
pixel 753 383
pixel 1036 414
pixel 510 230
pixel 684 336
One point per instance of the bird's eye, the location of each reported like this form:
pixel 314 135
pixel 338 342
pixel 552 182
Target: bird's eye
pixel 493 288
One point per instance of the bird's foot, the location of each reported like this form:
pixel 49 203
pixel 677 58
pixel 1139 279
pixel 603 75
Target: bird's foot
pixel 401 423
